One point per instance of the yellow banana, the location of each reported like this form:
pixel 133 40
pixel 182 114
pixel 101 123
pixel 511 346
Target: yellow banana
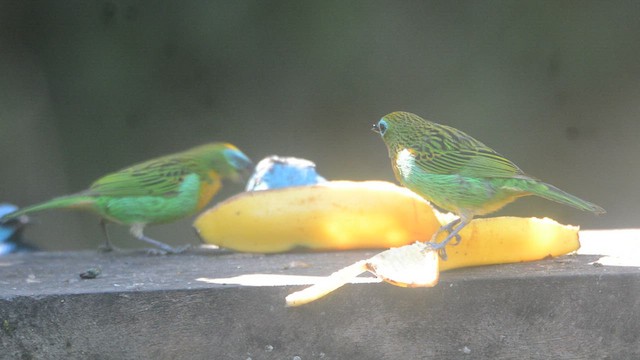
pixel 336 215
pixel 502 240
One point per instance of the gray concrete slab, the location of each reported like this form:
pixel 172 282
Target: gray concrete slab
pixel 160 307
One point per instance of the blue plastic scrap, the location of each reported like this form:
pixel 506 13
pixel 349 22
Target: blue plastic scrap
pixel 276 172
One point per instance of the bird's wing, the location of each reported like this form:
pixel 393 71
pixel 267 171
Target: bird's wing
pixel 159 177
pixel 458 153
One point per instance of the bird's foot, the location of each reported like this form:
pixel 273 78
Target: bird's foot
pixel 439 247
pixel 434 246
pixel 107 247
pixel 168 250
pixel 160 247
pixel 457 240
pixel 442 253
pixel 453 228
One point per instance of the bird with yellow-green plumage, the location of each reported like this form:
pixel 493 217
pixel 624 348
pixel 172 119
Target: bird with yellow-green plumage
pixel 458 173
pixel 160 190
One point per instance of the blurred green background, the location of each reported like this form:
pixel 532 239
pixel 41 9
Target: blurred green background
pixel 89 87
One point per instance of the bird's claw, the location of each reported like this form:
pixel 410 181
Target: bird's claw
pixel 440 248
pixel 156 252
pixel 453 238
pixel 168 250
pixel 457 240
pixel 181 249
pixel 105 248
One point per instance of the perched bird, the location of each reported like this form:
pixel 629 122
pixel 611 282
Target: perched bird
pixel 155 191
pixel 459 173
pixel 275 172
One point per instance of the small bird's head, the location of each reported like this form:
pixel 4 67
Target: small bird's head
pixel 226 160
pixel 398 125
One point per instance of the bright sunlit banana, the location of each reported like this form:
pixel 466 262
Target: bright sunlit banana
pixel 336 215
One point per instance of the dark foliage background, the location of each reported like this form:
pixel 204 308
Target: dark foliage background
pixel 89 87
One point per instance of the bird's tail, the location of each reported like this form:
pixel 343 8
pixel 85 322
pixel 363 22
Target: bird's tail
pixel 552 193
pixel 67 202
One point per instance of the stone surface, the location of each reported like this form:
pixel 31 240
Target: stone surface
pixel 163 307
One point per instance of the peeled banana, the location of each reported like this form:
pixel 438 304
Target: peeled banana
pixel 335 215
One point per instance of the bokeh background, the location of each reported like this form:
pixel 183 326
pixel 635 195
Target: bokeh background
pixel 89 87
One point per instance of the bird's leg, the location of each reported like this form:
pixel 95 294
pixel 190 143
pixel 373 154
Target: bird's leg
pixel 106 247
pixel 453 228
pixel 136 231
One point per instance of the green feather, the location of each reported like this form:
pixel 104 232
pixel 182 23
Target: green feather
pixel 77 201
pixel 159 177
pixel 552 193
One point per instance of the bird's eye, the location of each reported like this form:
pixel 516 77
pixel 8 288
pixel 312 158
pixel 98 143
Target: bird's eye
pixel 382 126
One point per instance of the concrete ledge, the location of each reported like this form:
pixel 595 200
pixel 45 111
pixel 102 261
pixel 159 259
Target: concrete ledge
pixel 144 306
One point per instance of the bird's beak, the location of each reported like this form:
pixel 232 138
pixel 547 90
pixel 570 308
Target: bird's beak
pixel 241 175
pixel 245 173
pixel 241 164
pixel 375 128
